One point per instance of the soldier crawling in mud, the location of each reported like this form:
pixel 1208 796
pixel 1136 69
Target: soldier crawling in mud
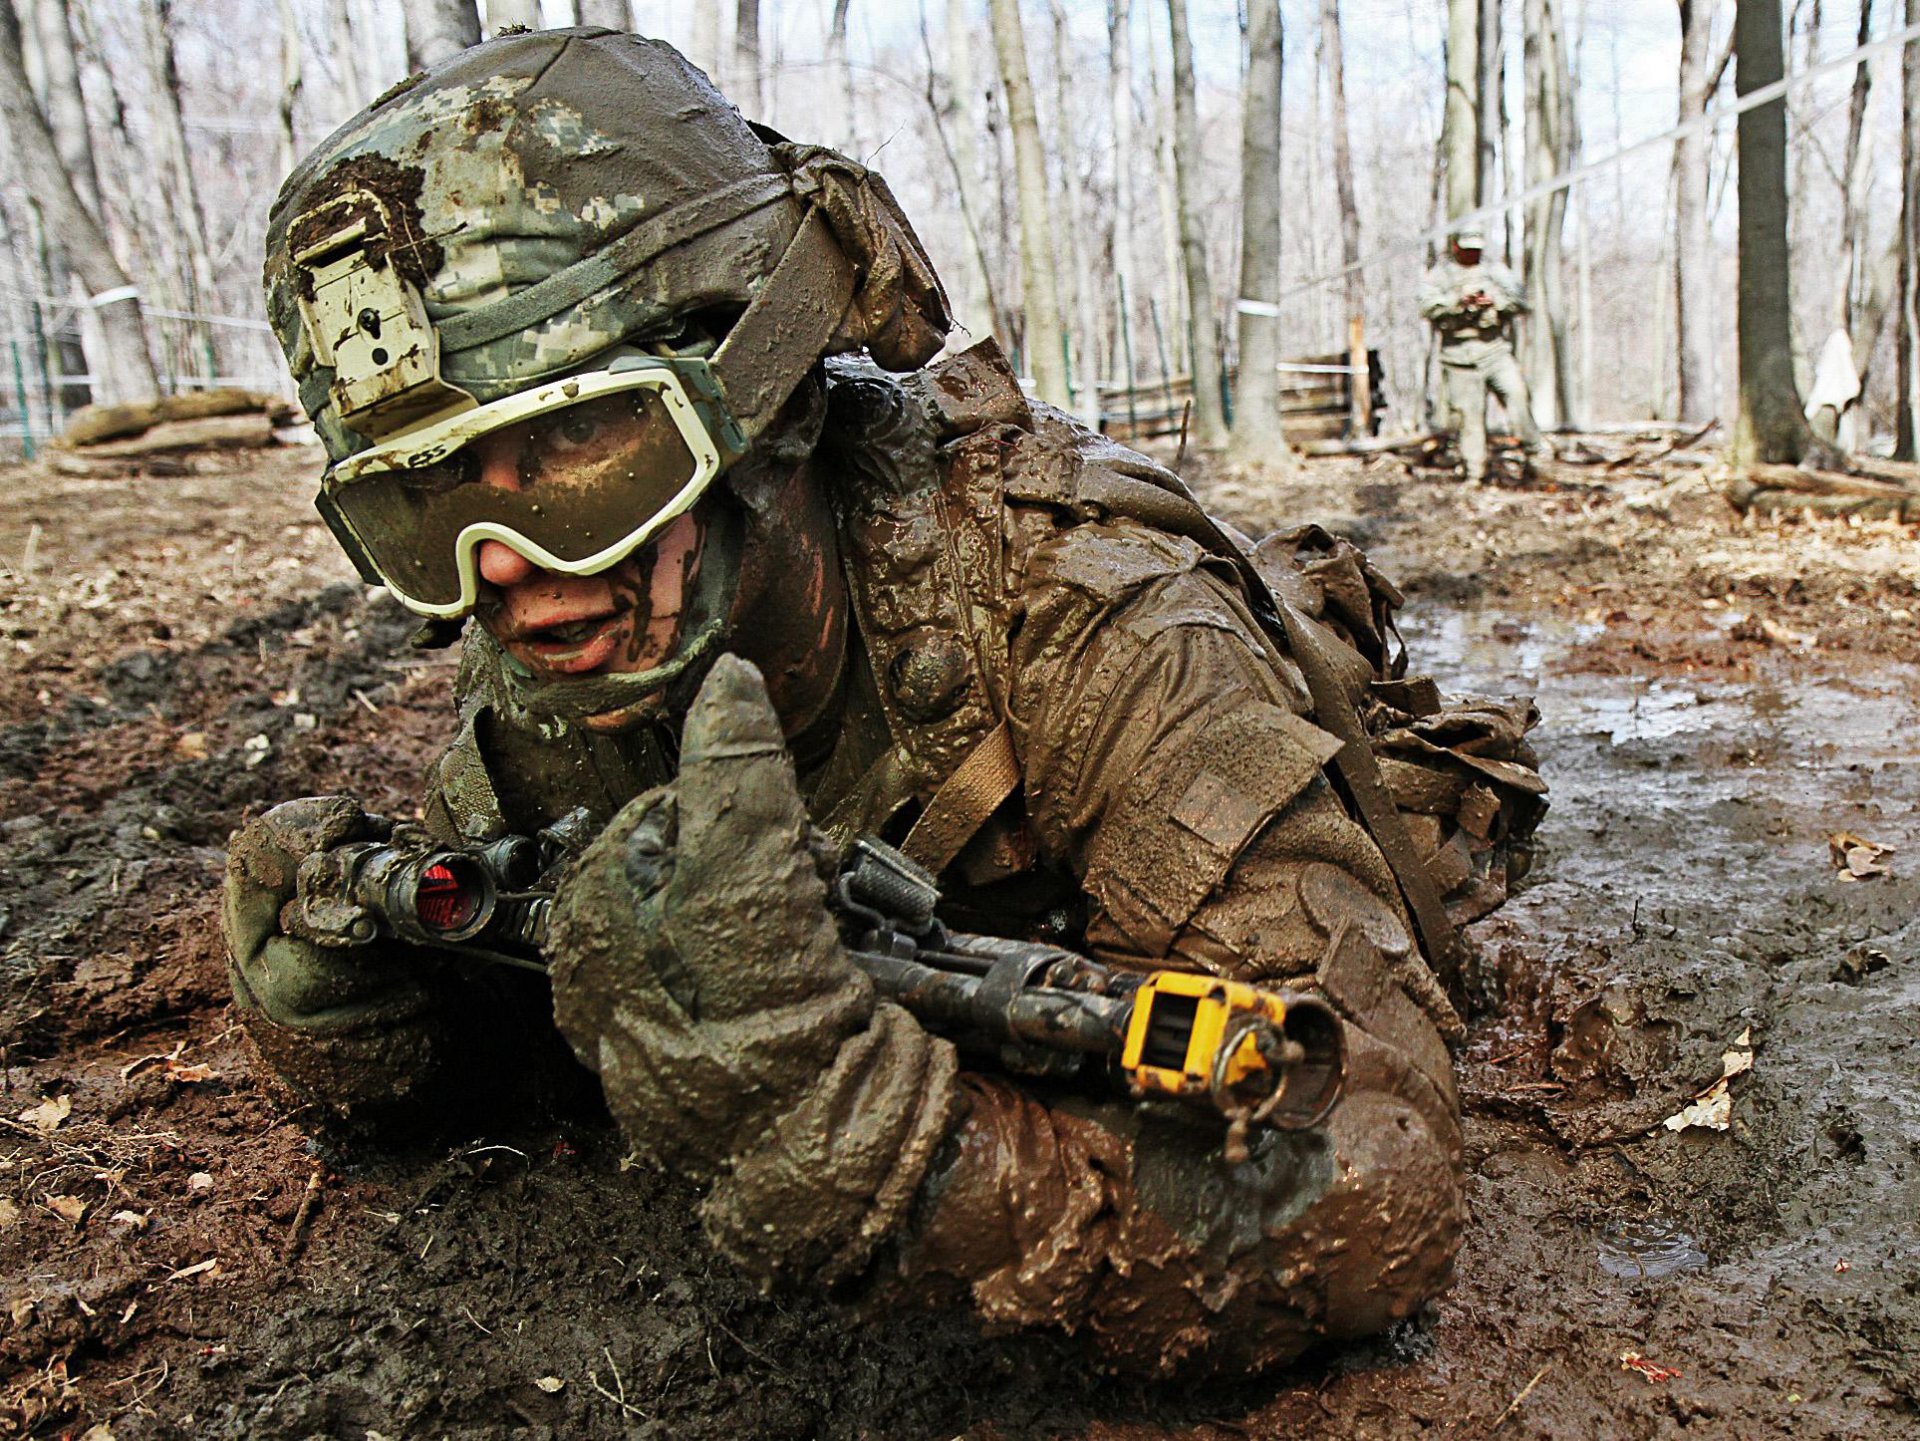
pixel 1471 304
pixel 644 391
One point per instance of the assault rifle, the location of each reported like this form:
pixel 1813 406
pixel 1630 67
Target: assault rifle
pixel 1258 1057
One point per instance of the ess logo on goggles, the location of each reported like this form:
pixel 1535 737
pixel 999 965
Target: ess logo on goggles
pixel 575 475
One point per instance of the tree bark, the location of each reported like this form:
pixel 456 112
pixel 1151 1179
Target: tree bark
pixel 1771 425
pixel 1856 273
pixel 437 29
pixel 1258 438
pixel 1040 286
pixel 1085 376
pixel 1490 70
pixel 841 64
pixel 126 369
pixel 613 14
pixel 1692 241
pixel 748 85
pixel 1551 142
pixel 1120 98
pixel 349 94
pixel 290 85
pixel 66 109
pixel 183 191
pixel 1907 380
pixel 954 127
pixel 1209 417
pixel 1460 130
pixel 1333 58
pixel 1172 260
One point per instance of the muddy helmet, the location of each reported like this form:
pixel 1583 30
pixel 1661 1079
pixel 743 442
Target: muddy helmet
pixel 547 221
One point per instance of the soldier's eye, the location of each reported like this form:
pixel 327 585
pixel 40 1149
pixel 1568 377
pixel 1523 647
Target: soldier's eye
pixel 576 427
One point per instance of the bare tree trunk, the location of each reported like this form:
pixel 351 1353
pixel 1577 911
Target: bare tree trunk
pixel 66 110
pixel 1692 248
pixel 437 29
pixel 842 66
pixel 1172 259
pixel 290 82
pixel 706 38
pixel 126 369
pixel 613 14
pixel 1772 427
pixel 1040 285
pixel 1078 225
pixel 1460 131
pixel 349 94
pixel 748 86
pixel 1551 141
pixel 954 126
pixel 1856 274
pixel 1258 438
pixel 1333 58
pixel 1209 417
pixel 1907 382
pixel 1120 96
pixel 189 219
pixel 1490 104
pixel 502 13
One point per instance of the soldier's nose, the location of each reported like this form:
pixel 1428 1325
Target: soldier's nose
pixel 502 565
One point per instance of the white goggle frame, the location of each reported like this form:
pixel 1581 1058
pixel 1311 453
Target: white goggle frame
pixel 433 443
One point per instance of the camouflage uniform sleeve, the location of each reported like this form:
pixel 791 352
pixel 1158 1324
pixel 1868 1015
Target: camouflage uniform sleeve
pixel 1169 761
pixel 1439 296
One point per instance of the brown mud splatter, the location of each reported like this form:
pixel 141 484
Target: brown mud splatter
pixel 1718 698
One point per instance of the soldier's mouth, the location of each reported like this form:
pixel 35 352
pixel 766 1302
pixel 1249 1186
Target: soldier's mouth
pixel 578 646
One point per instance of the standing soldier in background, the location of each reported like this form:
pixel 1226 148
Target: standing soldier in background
pixel 1470 305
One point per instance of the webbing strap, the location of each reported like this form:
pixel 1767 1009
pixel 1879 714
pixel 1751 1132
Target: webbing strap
pixel 964 801
pixel 1334 710
pixel 790 324
pixel 611 263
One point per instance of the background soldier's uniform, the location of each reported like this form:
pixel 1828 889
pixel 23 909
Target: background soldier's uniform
pixel 1476 354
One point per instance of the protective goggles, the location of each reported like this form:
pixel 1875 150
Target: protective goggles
pixel 574 475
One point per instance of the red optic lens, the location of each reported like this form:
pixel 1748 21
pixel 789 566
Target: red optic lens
pixel 443 903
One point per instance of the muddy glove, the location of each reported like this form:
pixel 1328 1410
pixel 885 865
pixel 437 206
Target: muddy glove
pixel 696 970
pixel 343 1026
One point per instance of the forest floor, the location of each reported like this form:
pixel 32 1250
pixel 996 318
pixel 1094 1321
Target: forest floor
pixel 178 1258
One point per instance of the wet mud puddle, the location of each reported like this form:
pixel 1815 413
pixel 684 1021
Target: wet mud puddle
pixel 1690 892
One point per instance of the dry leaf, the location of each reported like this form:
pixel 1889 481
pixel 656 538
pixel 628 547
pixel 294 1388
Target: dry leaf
pixel 102 1432
pixel 20 1310
pixel 1712 1109
pixel 68 1208
pixel 49 1113
pixel 1652 1370
pixel 132 1219
pixel 9 1213
pixel 199 1270
pixel 199 1181
pixel 188 1075
pixel 191 746
pixel 549 1384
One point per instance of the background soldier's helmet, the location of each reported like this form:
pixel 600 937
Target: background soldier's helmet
pixel 536 201
pixel 1470 237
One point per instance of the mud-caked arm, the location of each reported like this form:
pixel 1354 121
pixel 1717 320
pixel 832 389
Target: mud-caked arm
pixel 1167 759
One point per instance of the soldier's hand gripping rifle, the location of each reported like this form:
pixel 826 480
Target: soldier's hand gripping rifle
pixel 1258 1057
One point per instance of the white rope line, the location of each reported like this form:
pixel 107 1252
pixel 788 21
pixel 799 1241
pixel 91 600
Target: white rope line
pixel 1765 95
pixel 132 292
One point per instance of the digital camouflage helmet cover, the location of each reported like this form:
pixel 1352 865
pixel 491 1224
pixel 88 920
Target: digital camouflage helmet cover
pixel 549 222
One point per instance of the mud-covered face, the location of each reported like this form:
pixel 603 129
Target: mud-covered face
pixel 573 477
pixel 628 618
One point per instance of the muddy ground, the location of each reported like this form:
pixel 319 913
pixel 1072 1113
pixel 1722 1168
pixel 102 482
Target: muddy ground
pixel 179 1257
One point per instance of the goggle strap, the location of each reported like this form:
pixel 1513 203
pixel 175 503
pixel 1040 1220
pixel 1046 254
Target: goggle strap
pixel 612 263
pixel 790 325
